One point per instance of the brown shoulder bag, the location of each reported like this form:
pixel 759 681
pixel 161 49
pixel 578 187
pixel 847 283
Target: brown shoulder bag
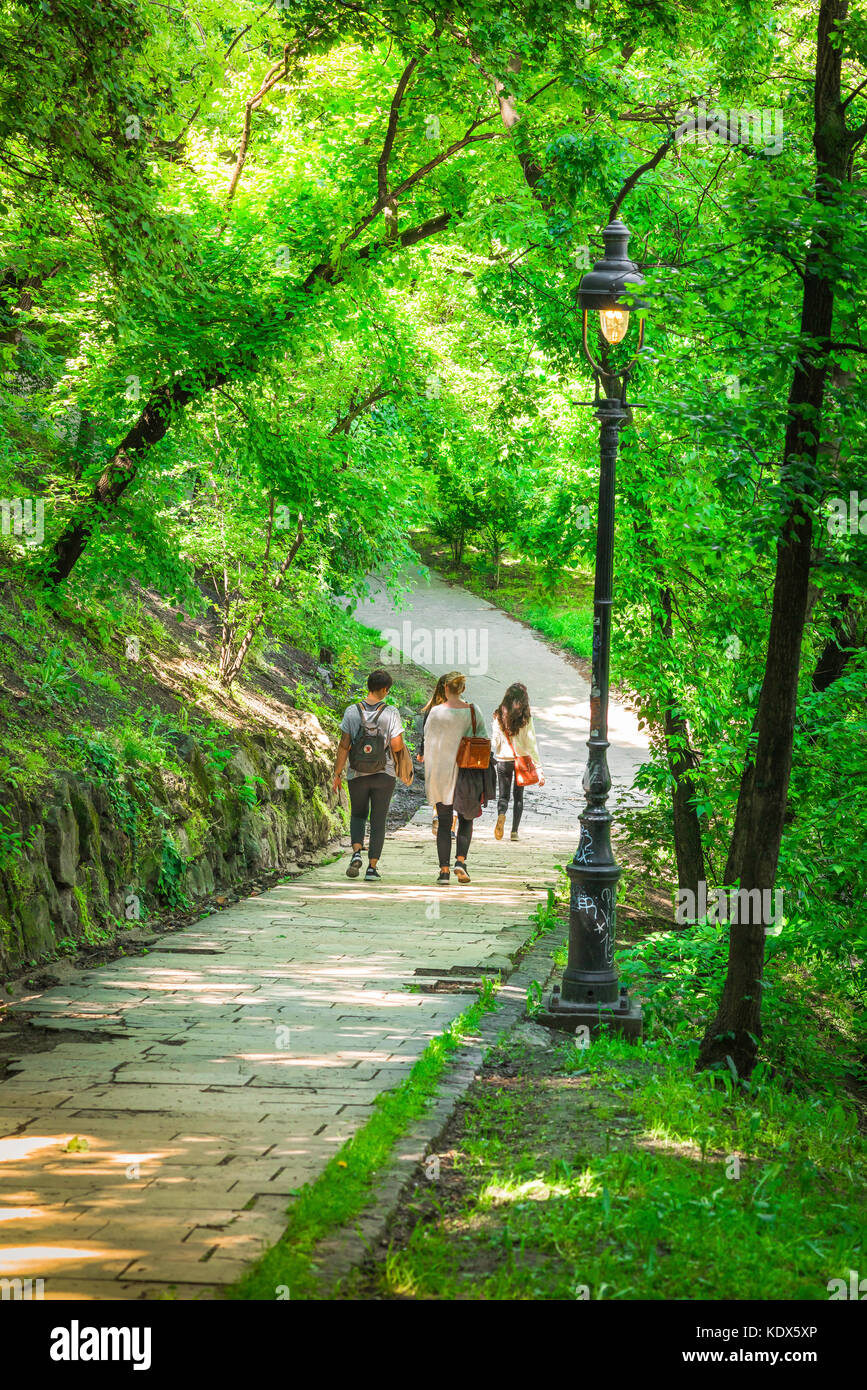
pixel 526 772
pixel 473 751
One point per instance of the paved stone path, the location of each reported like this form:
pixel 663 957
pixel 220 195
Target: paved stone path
pixel 210 1079
pixel 450 623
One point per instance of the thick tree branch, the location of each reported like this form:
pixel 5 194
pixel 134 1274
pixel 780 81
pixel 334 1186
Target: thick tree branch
pixel 21 285
pixel 854 93
pixel 416 176
pixel 179 139
pixel 637 173
pixel 329 271
pixel 274 75
pixel 341 425
pixel 165 403
pixel 391 130
pixel 532 172
pixel 838 649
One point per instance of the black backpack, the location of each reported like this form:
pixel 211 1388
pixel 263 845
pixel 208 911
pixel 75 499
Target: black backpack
pixel 368 750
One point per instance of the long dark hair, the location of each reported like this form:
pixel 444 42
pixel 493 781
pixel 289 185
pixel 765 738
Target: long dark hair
pixel 438 697
pixel 513 711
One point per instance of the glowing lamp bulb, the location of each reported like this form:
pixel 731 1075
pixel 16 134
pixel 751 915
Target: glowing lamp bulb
pixel 614 323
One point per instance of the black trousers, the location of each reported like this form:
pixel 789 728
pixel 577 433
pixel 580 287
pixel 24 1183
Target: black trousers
pixel 444 834
pixel 505 784
pixel 370 795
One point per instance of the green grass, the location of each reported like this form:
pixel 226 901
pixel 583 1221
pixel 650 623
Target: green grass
pixel 617 1172
pixel 343 1188
pixel 560 608
pixel 311 703
pixel 409 697
pixel 570 627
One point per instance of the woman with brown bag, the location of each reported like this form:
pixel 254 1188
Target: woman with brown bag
pixel 514 746
pixel 438 698
pixel 454 735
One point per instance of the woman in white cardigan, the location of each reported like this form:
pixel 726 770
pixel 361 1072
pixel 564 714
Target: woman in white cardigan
pixel 512 733
pixel 444 728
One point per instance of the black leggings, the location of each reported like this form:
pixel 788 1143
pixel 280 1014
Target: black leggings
pixel 370 795
pixel 505 777
pixel 444 834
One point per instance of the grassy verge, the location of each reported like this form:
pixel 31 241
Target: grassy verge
pixel 560 608
pixel 343 1188
pixel 616 1171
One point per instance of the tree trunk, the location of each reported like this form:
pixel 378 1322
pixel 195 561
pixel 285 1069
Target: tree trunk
pixel 733 1035
pixel 120 471
pixel 838 649
pixel 738 841
pixel 682 758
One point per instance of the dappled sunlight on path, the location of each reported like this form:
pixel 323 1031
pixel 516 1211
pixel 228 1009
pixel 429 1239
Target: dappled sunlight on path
pixel 200 1091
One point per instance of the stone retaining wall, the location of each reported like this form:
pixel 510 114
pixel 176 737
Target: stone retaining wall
pixel 107 848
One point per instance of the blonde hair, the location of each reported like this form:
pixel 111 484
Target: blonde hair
pixel 455 682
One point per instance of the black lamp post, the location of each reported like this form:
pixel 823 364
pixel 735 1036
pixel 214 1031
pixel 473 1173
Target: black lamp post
pixel 590 994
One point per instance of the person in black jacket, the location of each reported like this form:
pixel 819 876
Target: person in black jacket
pixel 448 725
pixel 474 788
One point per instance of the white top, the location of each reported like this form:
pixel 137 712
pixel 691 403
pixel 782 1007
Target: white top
pixel 387 720
pixel 524 743
pixel 443 732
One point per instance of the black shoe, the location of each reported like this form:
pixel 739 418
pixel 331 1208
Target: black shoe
pixel 372 873
pixel 445 876
pixel 461 872
pixel 354 866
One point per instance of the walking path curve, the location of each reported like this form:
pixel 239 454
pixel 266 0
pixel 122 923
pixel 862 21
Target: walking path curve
pixel 452 629
pixel 206 1081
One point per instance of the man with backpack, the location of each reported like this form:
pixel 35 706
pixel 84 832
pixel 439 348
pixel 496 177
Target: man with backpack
pixel 371 735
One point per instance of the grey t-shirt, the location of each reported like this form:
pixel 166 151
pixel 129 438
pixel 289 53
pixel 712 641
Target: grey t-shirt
pixel 387 720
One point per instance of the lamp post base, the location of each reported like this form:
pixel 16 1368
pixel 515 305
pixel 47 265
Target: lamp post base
pixel 623 1017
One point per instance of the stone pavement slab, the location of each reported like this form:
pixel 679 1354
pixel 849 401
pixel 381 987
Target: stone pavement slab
pixel 213 1077
pixel 202 1089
